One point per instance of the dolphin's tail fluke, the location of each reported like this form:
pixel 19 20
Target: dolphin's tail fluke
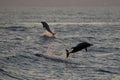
pixel 54 34
pixel 67 53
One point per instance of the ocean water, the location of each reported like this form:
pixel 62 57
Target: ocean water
pixel 27 52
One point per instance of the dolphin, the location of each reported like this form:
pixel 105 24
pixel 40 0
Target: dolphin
pixel 79 47
pixel 46 26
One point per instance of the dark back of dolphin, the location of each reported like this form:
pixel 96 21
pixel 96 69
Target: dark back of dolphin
pixel 80 46
pixel 46 26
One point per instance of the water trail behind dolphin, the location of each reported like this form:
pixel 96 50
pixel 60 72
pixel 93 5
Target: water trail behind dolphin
pixel 48 33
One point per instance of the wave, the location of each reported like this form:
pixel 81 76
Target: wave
pixel 55 59
pixel 14 28
pixel 107 71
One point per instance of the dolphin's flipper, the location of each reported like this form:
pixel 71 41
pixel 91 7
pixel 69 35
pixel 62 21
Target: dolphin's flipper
pixel 86 49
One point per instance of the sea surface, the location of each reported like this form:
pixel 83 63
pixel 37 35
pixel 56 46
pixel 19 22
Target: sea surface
pixel 28 52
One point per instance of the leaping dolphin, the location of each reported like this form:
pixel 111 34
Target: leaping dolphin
pixel 46 26
pixel 80 46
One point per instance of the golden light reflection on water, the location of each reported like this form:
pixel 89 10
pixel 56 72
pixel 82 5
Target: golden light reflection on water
pixel 72 23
